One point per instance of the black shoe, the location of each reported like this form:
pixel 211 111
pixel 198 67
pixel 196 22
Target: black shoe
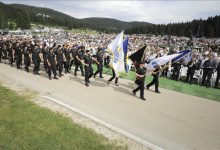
pixel 75 74
pixel 87 84
pixel 157 92
pixel 133 92
pixel 143 98
pixel 147 87
pixel 60 75
pixel 116 84
pixel 94 76
pixel 37 73
pixel 101 77
pixel 108 82
pixel 56 78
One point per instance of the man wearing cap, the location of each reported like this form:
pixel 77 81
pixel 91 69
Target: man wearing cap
pixel 99 57
pixel 18 56
pixel 155 80
pixel 79 57
pixel 87 62
pixel 140 78
pixel 36 59
pixel 51 62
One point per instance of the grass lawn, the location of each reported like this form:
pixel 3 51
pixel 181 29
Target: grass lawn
pixel 26 126
pixel 194 89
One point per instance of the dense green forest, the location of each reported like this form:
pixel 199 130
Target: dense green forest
pixel 196 28
pixel 21 16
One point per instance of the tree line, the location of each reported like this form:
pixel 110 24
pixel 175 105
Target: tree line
pixel 197 28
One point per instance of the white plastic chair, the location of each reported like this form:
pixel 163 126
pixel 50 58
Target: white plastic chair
pixel 183 72
pixel 213 78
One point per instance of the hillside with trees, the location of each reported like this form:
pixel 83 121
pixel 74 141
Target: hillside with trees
pixel 21 16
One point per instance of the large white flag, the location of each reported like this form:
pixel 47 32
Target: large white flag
pixel 160 61
pixel 116 49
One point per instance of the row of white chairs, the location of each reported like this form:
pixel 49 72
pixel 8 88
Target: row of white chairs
pixel 197 75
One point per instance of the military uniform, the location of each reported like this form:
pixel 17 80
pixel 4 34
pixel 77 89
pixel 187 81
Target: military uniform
pixel 51 63
pixel 45 51
pixel 80 55
pixel 155 80
pixel 27 59
pixel 18 56
pixel 140 82
pixel 99 57
pixel 36 60
pixel 67 54
pixel 88 69
pixel 59 59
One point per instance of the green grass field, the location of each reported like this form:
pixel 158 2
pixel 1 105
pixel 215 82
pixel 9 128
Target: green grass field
pixel 26 126
pixel 194 89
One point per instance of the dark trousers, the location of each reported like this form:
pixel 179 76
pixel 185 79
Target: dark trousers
pixel 164 72
pixel 176 73
pixel 154 81
pixel 140 87
pixel 217 79
pixel 18 59
pixel 45 65
pixel 11 59
pixel 53 68
pixel 78 65
pixel 60 67
pixel 27 62
pixel 100 69
pixel 71 64
pixel 190 74
pixel 208 74
pixel 113 76
pixel 88 73
pixel 36 66
pixel 66 65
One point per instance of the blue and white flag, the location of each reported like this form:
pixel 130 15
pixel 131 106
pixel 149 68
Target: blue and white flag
pixel 116 49
pixel 182 54
pixel 125 48
pixel 159 61
pixel 163 60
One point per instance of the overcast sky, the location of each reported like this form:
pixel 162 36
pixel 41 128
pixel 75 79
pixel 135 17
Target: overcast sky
pixel 150 11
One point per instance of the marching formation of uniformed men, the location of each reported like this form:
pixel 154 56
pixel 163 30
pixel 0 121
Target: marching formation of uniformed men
pixel 60 58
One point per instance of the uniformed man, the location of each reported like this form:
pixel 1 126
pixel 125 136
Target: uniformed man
pixel 140 78
pixel 113 77
pixel 59 59
pixel 18 55
pixel 99 57
pixel 87 61
pixel 27 59
pixel 51 63
pixel 45 51
pixel 10 53
pixel 36 59
pixel 67 54
pixel 155 80
pixel 79 57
